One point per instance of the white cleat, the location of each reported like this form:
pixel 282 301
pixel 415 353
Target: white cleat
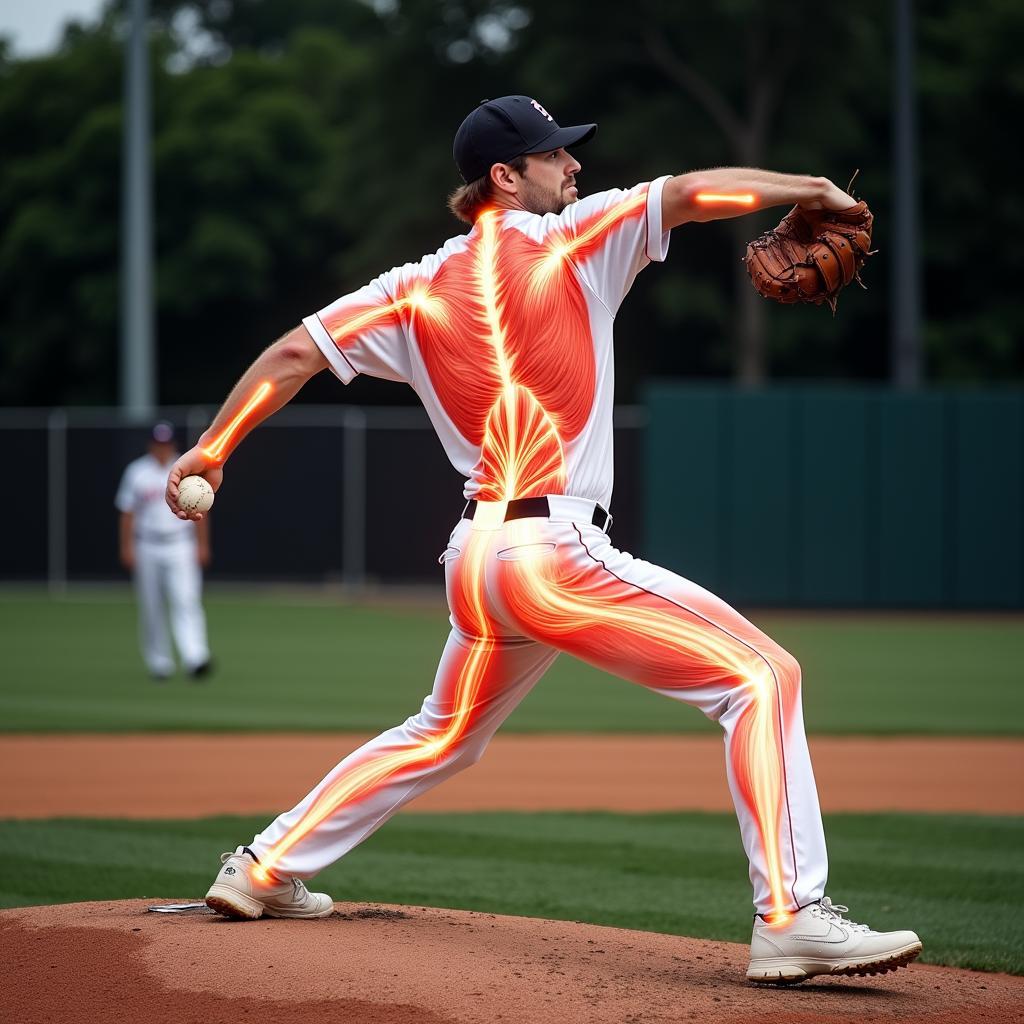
pixel 239 892
pixel 817 939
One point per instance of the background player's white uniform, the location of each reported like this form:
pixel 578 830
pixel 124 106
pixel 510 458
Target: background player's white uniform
pixel 166 571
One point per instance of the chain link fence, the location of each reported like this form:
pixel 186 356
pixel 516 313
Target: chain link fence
pixel 340 494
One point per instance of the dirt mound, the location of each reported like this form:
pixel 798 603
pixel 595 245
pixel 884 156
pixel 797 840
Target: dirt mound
pixel 114 962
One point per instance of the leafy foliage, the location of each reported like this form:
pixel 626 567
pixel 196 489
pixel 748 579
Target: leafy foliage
pixel 301 147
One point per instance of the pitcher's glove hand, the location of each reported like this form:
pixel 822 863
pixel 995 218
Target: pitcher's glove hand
pixel 812 255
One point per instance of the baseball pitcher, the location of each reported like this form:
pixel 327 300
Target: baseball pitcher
pixel 505 333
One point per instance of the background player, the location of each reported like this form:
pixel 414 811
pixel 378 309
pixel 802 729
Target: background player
pixel 165 557
pixel 506 334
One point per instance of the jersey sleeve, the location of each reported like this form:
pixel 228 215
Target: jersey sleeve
pixel 364 332
pixel 613 235
pixel 124 500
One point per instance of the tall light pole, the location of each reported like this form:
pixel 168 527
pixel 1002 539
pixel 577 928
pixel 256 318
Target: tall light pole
pixel 905 327
pixel 137 378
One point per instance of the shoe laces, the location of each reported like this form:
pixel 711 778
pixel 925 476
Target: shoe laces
pixel 225 857
pixel 835 911
pixel 299 892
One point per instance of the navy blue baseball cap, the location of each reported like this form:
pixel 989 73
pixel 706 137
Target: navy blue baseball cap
pixel 510 126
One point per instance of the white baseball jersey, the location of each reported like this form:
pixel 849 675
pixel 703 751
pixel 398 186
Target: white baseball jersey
pixel 506 335
pixel 166 571
pixel 141 493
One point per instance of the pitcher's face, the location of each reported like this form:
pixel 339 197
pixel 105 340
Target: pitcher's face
pixel 549 183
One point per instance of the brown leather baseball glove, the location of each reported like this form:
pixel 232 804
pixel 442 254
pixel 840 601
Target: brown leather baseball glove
pixel 812 255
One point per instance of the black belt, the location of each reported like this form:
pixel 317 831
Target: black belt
pixel 537 508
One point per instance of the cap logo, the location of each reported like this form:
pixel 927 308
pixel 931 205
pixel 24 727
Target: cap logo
pixel 536 106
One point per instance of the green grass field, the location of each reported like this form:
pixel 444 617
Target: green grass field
pixel 312 662
pixel 957 880
pixel 309 661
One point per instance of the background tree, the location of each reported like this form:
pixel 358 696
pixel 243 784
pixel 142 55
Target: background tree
pixel 302 147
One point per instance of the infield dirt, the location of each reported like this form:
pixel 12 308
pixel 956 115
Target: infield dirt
pixel 117 964
pixel 168 775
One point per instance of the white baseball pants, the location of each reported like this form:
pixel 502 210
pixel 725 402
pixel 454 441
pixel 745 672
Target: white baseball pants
pixel 168 583
pixel 520 592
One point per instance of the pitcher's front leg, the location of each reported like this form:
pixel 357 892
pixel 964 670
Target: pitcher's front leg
pixel 478 684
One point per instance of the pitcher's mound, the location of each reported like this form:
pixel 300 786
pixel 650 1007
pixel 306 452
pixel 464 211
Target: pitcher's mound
pixel 114 962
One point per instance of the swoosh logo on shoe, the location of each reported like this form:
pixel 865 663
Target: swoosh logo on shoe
pixel 822 938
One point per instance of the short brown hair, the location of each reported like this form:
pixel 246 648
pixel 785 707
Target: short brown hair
pixel 467 202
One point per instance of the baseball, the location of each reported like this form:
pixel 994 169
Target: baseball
pixel 194 494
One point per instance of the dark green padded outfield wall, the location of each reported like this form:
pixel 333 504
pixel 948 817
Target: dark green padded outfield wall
pixel 839 497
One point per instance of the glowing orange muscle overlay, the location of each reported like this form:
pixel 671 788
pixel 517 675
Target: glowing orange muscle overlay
pixel 645 638
pixel 736 198
pixel 221 446
pixel 504 332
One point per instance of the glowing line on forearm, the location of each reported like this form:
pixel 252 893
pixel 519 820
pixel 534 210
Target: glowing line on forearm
pixel 737 199
pixel 218 451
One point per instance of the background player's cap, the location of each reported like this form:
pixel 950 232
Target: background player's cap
pixel 163 432
pixel 510 126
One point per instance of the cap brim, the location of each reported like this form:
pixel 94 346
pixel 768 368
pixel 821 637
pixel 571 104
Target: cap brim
pixel 562 138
